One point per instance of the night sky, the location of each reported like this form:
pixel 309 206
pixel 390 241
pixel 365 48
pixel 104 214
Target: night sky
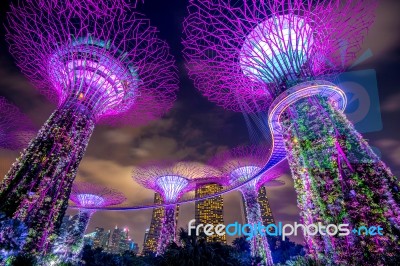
pixel 196 129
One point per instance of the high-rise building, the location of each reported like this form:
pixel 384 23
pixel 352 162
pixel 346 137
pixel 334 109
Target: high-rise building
pixel 266 212
pixel 106 240
pixel 101 238
pixel 124 241
pixel 210 211
pixel 119 240
pixel 150 242
pixel 113 246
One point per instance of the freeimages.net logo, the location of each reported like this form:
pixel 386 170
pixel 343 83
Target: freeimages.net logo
pixel 280 229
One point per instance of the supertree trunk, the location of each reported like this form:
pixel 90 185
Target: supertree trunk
pixel 78 231
pixel 340 180
pixel 309 211
pixel 167 234
pixel 258 243
pixel 69 244
pixel 45 172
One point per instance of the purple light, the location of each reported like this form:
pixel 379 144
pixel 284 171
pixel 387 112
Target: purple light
pixel 171 180
pixel 96 55
pixel 172 185
pixel 100 64
pixel 97 77
pixel 243 163
pixel 90 195
pixel 90 200
pixel 242 55
pixel 276 48
pixel 245 173
pixel 16 129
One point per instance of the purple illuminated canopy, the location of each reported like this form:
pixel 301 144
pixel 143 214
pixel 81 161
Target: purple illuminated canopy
pixel 16 129
pixel 243 163
pixel 90 195
pixel 243 54
pixel 111 63
pixel 171 180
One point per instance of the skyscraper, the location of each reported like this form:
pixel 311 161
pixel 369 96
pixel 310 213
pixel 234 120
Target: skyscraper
pixel 210 211
pixel 114 243
pixel 124 240
pixel 119 240
pixel 97 241
pixel 266 212
pixel 150 242
pixel 102 238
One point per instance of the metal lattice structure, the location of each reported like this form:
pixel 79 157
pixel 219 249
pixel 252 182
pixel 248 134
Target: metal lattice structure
pixel 128 68
pixel 243 54
pixel 171 180
pixel 91 195
pixel 98 66
pixel 16 129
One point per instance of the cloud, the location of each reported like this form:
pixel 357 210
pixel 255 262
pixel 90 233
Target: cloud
pixel 390 149
pixel 391 104
pixel 381 37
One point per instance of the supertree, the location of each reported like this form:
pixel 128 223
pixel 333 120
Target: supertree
pixel 242 164
pixel 171 181
pixel 16 129
pixel 97 68
pixel 249 56
pixel 85 195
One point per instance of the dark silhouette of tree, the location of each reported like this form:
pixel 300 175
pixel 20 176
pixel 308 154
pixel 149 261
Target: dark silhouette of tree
pixel 194 250
pixel 241 244
pixel 98 257
pixel 283 250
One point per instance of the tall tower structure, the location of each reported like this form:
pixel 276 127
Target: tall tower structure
pixel 116 236
pixel 150 242
pixel 84 195
pixel 171 180
pixel 97 66
pixel 242 164
pixel 263 202
pixel 210 211
pixel 281 56
pixel 266 212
